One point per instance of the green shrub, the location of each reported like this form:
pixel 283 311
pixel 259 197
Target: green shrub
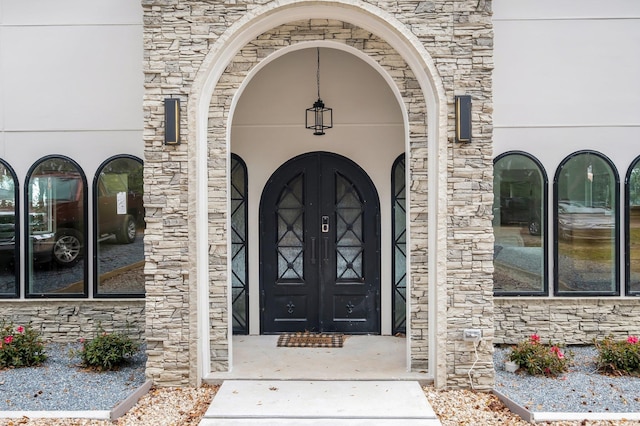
pixel 539 359
pixel 619 357
pixel 20 346
pixel 107 351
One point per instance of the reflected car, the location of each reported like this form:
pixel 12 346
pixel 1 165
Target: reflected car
pixel 57 225
pixel 577 221
pixel 7 236
pixel 519 211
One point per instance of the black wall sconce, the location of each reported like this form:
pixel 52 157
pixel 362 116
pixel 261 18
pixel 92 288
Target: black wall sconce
pixel 316 114
pixel 463 118
pixel 171 121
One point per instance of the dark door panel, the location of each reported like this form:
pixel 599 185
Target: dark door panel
pixel 319 248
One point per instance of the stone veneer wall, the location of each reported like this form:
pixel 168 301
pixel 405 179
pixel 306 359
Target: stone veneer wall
pixel 69 320
pixel 377 49
pixel 177 37
pixel 465 63
pixel 566 321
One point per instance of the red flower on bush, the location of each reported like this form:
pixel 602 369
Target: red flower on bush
pixel 20 346
pixel 619 356
pixel 556 350
pixel 538 358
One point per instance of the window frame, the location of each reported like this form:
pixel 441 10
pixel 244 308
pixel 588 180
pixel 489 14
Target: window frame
pixel 94 232
pixel 397 328
pixel 545 228
pixel 17 234
pixel 616 242
pixel 627 228
pixel 85 232
pixel 241 163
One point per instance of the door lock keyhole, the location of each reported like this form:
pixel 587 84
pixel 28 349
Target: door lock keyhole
pixel 325 224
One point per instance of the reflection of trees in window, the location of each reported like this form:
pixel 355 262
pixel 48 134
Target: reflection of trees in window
pixel 633 228
pixel 119 227
pixel 586 200
pixel 399 231
pixel 8 235
pixel 519 225
pixel 239 244
pixel 633 183
pixel 56 218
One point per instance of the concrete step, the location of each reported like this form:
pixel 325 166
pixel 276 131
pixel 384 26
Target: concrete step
pixel 274 402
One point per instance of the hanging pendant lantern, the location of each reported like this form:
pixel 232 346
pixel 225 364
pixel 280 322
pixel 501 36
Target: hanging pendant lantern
pixel 319 115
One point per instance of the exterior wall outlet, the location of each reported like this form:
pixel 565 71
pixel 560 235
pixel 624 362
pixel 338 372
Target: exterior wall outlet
pixel 471 335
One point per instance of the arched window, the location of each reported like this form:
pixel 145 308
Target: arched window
pixel 239 244
pixel 519 225
pixel 119 228
pixel 399 249
pixel 56 218
pixel 586 226
pixel 633 228
pixel 9 235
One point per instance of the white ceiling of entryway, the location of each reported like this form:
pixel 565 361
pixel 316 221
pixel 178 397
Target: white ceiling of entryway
pixel 283 89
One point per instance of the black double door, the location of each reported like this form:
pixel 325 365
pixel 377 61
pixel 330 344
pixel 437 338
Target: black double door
pixel 320 248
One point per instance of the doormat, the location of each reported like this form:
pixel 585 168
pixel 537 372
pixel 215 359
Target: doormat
pixel 310 340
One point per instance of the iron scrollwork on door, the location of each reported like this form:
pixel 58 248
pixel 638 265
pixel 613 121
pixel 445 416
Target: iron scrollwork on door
pixel 350 307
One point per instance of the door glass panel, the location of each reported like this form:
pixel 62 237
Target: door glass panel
pixel 120 228
pixel 519 226
pixel 290 213
pixel 8 240
pixel 399 246
pixel 239 262
pixel 349 231
pixel 586 203
pixel 56 231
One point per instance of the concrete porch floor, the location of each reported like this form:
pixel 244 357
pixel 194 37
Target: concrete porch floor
pixel 360 358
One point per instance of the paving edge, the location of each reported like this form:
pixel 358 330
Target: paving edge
pixel 89 414
pixel 120 409
pixel 552 416
pixel 514 407
pixel 544 416
pixel 125 405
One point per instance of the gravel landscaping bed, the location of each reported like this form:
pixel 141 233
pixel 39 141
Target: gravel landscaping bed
pixel 60 384
pixel 581 390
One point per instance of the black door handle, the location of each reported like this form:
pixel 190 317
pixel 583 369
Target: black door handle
pixel 313 250
pixel 326 249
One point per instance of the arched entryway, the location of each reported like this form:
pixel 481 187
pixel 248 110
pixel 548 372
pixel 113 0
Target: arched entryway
pixel 225 85
pixel 320 248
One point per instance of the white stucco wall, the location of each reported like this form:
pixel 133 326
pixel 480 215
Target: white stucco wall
pixel 566 79
pixel 70 83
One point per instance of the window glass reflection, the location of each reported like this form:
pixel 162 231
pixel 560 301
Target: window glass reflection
pixel 399 230
pixel 8 240
pixel 519 225
pixel 586 203
pixel 119 227
pixel 633 214
pixel 239 244
pixel 56 228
